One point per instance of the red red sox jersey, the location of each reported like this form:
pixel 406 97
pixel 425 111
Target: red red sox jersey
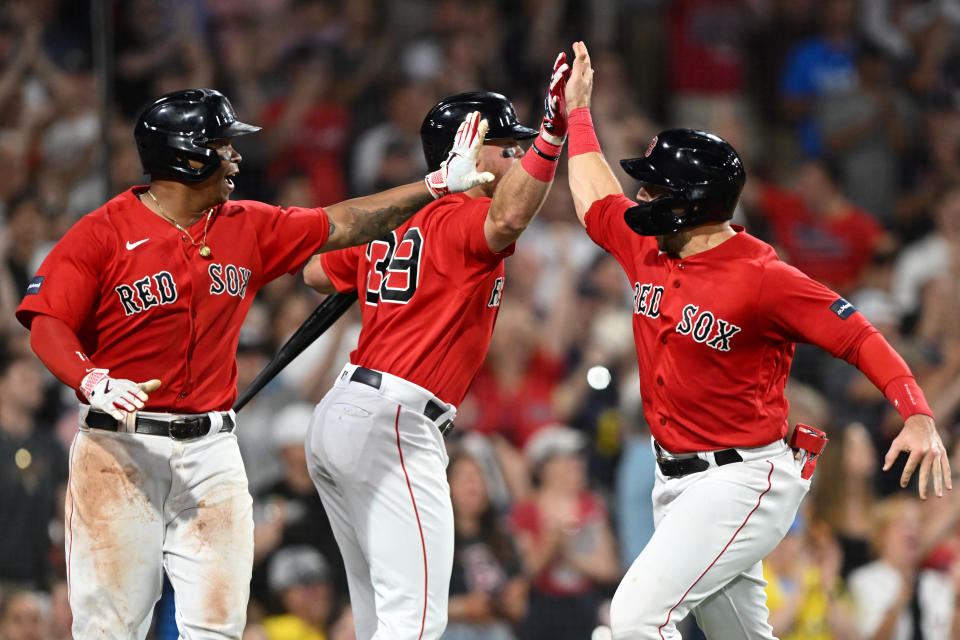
pixel 715 333
pixel 146 305
pixel 429 292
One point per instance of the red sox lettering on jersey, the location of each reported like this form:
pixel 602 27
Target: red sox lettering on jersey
pixel 143 301
pixel 161 288
pixel 703 326
pixel 703 342
pixel 700 326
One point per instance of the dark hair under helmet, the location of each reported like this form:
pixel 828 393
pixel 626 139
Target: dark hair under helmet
pixel 443 120
pixel 702 173
pixel 176 129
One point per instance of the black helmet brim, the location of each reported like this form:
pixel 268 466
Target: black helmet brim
pixel 519 132
pixel 238 128
pixel 641 169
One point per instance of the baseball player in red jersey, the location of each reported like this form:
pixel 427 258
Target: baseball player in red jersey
pixel 152 286
pixel 430 292
pixel 716 319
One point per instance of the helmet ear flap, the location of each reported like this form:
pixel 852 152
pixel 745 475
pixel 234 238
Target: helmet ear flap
pixel 660 216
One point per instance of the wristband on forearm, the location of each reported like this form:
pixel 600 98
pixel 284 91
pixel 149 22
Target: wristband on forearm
pixel 540 160
pixel 583 137
pixel 906 397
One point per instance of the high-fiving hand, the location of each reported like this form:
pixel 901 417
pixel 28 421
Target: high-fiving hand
pixel 580 84
pixel 458 172
pixel 554 126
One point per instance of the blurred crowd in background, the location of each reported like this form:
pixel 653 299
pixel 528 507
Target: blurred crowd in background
pixel 847 115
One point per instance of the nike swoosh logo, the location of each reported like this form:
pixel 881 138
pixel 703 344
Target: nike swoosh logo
pixel 106 387
pixel 134 245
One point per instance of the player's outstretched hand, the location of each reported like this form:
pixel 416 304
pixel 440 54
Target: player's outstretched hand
pixel 458 172
pixel 580 85
pixel 554 126
pixel 115 396
pixel 920 439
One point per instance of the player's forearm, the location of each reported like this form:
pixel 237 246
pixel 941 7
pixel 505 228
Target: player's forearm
pixel 517 200
pixel 59 348
pixel 316 278
pixel 590 176
pixel 889 372
pixel 362 220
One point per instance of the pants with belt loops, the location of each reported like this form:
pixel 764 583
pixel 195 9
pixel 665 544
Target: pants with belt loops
pixel 380 469
pixel 713 528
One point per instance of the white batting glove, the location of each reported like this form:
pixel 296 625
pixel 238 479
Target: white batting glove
pixel 458 172
pixel 115 396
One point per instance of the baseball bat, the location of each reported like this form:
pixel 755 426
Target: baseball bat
pixel 326 313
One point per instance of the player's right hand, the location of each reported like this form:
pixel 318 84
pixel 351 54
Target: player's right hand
pixel 458 172
pixel 115 396
pixel 554 126
pixel 580 84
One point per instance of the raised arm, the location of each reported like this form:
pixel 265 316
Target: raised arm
pixel 362 220
pixel 523 189
pixel 590 176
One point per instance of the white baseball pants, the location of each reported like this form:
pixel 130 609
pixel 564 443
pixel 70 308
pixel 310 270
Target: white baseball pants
pixel 379 465
pixel 713 528
pixel 138 504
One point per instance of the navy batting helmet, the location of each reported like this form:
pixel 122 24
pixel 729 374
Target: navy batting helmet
pixel 443 120
pixel 177 128
pixel 703 176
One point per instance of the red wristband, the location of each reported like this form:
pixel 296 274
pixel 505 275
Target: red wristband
pixel 583 138
pixel 906 397
pixel 540 160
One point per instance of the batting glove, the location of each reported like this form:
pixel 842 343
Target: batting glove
pixel 458 172
pixel 555 123
pixel 115 396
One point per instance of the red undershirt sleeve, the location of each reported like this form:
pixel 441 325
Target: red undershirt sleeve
pixel 800 309
pixel 887 370
pixel 58 347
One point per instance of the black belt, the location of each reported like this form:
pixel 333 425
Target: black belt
pixel 432 409
pixel 677 467
pixel 185 428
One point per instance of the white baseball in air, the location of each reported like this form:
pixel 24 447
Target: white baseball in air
pixel 599 377
pixel 602 632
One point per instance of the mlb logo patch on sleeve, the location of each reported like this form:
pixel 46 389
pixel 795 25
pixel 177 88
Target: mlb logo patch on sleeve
pixel 34 286
pixel 843 309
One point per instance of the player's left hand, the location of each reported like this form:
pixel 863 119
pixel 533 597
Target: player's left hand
pixel 458 172
pixel 580 85
pixel 920 439
pixel 554 126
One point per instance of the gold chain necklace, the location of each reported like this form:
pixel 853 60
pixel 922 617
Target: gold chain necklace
pixel 202 248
